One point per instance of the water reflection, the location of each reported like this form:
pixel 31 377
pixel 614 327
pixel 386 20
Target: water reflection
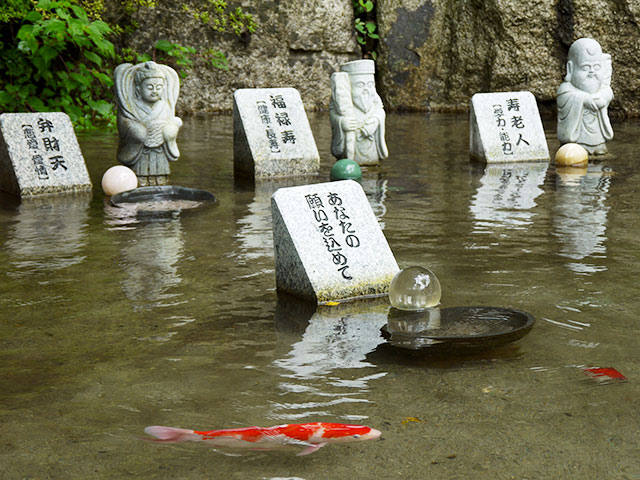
pixel 334 341
pixel 506 196
pixel 580 215
pixel 49 233
pixel 254 236
pixel 376 190
pixel 151 246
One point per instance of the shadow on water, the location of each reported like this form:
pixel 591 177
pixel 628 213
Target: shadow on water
pixel 386 354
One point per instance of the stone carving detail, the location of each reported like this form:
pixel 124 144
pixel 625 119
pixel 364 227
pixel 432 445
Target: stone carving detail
pixel 146 95
pixel 584 96
pixel 357 114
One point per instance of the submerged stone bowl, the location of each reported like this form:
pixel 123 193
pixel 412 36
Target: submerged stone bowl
pixel 456 329
pixel 163 197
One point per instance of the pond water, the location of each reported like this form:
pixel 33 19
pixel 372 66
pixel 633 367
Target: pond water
pixel 113 321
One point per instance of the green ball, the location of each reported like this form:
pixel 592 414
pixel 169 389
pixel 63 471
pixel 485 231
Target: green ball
pixel 345 169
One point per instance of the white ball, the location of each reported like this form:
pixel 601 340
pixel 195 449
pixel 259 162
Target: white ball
pixel 119 179
pixel 572 154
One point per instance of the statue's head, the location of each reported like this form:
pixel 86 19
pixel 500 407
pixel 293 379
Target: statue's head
pixel 363 85
pixel 586 65
pixel 150 82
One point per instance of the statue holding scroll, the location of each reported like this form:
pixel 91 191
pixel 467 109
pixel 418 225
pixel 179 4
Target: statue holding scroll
pixel 357 114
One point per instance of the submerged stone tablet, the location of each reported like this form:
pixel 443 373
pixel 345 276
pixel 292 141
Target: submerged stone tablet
pixel 506 127
pixel 271 134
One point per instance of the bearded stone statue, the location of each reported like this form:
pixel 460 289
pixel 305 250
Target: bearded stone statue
pixel 584 96
pixel 357 114
pixel 146 95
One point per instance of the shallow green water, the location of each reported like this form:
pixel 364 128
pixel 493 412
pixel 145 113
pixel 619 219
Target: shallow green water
pixel 112 322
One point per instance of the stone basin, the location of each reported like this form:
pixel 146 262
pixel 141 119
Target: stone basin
pixel 456 328
pixel 163 198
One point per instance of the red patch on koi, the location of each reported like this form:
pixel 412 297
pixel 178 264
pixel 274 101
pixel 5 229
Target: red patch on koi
pixel 337 430
pixel 302 431
pixel 252 434
pixel 605 373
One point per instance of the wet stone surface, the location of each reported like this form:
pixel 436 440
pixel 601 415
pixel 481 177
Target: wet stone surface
pixel 39 154
pixel 271 134
pixel 325 236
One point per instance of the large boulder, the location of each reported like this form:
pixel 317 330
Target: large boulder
pixel 435 54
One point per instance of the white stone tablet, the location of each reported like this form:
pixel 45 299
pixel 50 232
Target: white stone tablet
pixel 328 244
pixel 271 134
pixel 39 154
pixel 506 127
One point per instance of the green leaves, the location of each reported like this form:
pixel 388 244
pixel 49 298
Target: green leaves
pixel 366 27
pixel 215 14
pixel 55 63
pixel 363 6
pixel 183 57
pixel 93 57
pixel 33 16
pixel 217 59
pixel 61 58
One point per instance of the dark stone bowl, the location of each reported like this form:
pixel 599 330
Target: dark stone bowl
pixel 460 328
pixel 172 196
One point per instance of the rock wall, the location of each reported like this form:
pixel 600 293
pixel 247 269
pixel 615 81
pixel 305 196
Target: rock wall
pixel 435 54
pixel 297 44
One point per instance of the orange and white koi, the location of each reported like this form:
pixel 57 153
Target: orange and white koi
pixel 310 436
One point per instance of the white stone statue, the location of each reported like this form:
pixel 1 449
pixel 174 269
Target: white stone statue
pixel 146 95
pixel 357 114
pixel 584 96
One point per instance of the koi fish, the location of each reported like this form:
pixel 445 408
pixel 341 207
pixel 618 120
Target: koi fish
pixel 605 373
pixel 311 436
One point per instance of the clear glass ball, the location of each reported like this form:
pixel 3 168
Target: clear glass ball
pixel 415 288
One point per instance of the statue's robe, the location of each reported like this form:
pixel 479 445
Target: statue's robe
pixel 370 144
pixel 143 146
pixel 578 124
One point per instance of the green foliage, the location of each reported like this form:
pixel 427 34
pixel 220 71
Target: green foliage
pixel 183 57
pixel 57 55
pixel 56 62
pixel 215 14
pixel 366 27
pixel 14 10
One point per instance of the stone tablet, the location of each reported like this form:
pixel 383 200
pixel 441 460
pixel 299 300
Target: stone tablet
pixel 271 134
pixel 39 154
pixel 328 244
pixel 506 127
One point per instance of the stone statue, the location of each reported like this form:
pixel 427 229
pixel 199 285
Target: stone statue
pixel 146 95
pixel 357 114
pixel 584 96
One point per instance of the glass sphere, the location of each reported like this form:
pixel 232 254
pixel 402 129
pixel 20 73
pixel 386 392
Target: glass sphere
pixel 415 288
